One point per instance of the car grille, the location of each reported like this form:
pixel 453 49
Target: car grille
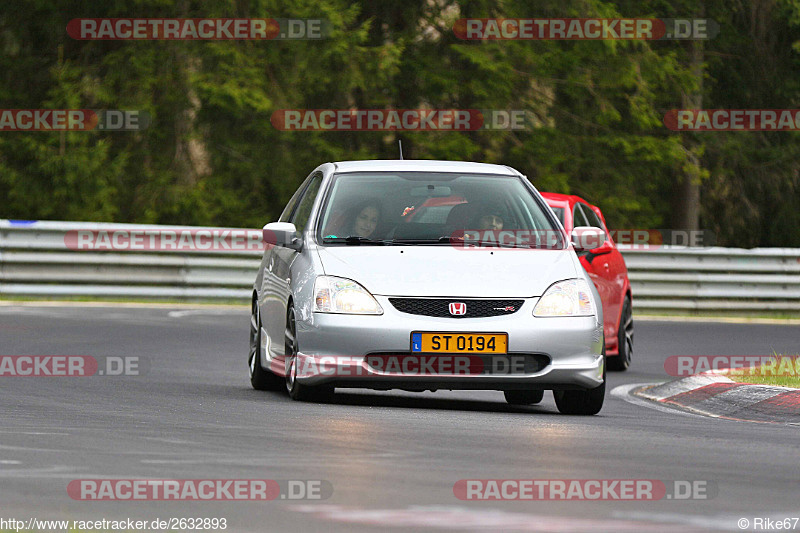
pixel 439 307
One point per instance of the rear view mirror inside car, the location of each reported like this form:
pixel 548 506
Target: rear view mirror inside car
pixel 431 191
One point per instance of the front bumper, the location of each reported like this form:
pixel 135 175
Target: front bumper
pixel 340 343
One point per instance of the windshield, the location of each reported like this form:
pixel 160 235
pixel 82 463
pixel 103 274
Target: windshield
pixel 427 208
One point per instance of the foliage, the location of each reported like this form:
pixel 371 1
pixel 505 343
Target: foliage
pixel 211 155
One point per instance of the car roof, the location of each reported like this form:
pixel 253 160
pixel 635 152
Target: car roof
pixel 571 198
pixel 419 165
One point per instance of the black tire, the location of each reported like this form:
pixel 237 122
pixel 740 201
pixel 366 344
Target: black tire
pixel 582 402
pixel 622 361
pixel 523 397
pixel 260 379
pixel 296 390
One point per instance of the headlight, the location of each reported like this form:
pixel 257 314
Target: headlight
pixel 340 295
pixel 571 297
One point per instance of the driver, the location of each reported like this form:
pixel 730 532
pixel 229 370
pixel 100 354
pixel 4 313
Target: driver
pixel 492 222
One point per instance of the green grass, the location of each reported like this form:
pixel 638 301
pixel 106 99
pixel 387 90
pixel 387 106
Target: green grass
pixel 782 371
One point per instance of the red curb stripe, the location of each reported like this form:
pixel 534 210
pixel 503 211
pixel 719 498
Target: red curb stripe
pixel 784 407
pixel 786 402
pixel 697 395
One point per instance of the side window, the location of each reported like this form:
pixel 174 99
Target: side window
pixel 287 211
pixel 303 211
pixel 577 217
pixel 559 211
pixel 592 217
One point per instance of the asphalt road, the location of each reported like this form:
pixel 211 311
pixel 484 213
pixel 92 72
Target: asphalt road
pixel 392 458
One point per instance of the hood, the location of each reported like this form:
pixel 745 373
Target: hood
pixel 446 271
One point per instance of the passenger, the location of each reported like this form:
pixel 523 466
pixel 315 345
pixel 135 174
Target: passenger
pixel 366 219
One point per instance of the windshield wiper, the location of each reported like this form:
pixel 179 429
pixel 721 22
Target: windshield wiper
pixel 355 240
pixel 439 240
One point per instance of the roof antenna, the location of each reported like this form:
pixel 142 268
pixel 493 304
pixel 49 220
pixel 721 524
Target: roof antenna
pixel 400 142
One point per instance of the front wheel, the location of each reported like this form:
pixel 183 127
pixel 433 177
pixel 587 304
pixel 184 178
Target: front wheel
pixel 296 390
pixel 523 397
pixel 260 379
pixel 582 402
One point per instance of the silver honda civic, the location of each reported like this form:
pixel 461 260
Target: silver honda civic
pixel 426 275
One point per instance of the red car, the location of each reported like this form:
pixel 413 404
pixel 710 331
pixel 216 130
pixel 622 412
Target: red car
pixel 606 267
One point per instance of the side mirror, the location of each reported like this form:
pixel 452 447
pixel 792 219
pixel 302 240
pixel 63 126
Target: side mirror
pixel 587 238
pixel 604 248
pixel 282 234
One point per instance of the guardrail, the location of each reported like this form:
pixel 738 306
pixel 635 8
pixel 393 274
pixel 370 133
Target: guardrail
pixel 35 261
pixel 715 279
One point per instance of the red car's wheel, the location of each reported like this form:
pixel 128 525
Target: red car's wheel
pixel 624 339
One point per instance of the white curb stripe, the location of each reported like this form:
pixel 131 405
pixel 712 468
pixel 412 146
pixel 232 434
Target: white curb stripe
pixel 625 392
pixel 734 400
pixel 673 388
